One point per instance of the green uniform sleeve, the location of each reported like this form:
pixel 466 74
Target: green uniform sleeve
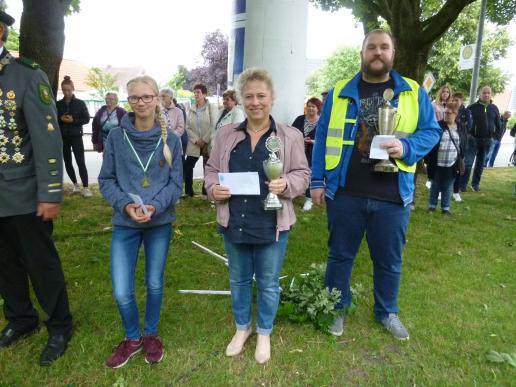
pixel 41 117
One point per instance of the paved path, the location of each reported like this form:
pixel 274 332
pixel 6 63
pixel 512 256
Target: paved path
pixel 94 159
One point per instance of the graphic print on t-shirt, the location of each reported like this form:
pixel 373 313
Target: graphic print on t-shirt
pixel 368 123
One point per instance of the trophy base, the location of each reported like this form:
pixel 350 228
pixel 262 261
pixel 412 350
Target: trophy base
pixel 272 204
pixel 385 166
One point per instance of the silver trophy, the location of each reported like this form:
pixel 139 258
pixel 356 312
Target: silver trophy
pixel 273 168
pixel 386 126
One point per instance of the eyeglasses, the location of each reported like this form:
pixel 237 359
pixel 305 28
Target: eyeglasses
pixel 134 99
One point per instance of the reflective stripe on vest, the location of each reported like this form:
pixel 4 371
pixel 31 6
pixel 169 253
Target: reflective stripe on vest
pixel 407 117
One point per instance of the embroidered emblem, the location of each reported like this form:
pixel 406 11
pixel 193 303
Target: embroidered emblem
pixel 18 157
pixel 12 124
pixel 45 95
pixel 52 161
pixel 10 94
pixel 1 92
pixel 3 140
pixel 53 172
pixel 50 127
pixel 4 157
pixel 49 118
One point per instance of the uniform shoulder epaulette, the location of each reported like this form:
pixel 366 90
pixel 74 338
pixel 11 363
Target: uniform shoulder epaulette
pixel 28 62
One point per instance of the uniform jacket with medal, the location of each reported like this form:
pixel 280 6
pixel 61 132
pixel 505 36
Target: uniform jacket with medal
pixel 30 143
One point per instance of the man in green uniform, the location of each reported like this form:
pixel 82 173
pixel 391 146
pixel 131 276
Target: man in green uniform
pixel 30 194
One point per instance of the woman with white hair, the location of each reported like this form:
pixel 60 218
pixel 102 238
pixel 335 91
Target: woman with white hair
pixel 108 117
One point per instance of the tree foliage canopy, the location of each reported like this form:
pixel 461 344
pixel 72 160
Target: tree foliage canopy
pixel 179 79
pixel 444 58
pixel 342 64
pixel 215 55
pixel 416 24
pixel 101 81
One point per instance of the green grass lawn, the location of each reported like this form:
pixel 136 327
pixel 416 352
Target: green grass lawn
pixel 457 299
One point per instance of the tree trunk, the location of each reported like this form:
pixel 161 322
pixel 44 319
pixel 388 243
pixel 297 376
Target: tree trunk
pixel 411 59
pixel 42 35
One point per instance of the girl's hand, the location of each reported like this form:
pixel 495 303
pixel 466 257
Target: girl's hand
pixel 135 213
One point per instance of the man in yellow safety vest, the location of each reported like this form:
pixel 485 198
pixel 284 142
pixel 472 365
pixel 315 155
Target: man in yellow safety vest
pixel 360 200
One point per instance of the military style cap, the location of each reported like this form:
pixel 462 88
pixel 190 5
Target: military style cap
pixel 6 19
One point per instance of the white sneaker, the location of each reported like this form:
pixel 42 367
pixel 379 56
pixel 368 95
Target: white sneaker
pixel 86 193
pixel 456 197
pixel 76 188
pixel 428 184
pixel 308 205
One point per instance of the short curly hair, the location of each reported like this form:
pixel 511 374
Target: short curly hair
pixel 254 74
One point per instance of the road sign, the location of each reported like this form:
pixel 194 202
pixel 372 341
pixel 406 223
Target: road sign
pixel 467 57
pixel 428 82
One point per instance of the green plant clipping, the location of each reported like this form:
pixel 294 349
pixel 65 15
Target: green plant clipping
pixel 502 357
pixel 308 299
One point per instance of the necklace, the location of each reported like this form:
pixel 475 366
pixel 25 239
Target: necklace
pixel 145 183
pixel 257 130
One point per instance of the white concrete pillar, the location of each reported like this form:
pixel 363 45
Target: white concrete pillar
pixel 272 34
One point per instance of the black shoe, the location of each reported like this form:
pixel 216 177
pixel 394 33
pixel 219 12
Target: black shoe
pixel 9 335
pixel 446 212
pixel 56 346
pixel 431 209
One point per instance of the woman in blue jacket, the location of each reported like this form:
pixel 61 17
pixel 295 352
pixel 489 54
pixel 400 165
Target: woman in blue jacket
pixel 140 158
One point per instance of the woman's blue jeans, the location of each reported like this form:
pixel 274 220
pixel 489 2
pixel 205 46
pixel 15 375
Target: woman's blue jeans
pixel 443 183
pixel 125 244
pixel 265 262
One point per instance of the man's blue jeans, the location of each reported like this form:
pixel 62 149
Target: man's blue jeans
pixel 476 150
pixel 493 152
pixel 385 226
pixel 265 262
pixel 125 244
pixel 443 183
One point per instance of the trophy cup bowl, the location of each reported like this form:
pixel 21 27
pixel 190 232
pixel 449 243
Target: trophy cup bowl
pixel 386 126
pixel 273 168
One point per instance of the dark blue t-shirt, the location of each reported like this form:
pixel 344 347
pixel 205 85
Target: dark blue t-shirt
pixel 361 179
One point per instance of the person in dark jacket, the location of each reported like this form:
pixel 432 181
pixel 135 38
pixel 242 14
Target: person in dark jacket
pixel 72 114
pixel 464 124
pixel 486 121
pixel 307 123
pixel 497 140
pixel 108 117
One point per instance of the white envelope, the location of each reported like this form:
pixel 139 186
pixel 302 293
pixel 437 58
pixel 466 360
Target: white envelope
pixel 241 183
pixel 376 152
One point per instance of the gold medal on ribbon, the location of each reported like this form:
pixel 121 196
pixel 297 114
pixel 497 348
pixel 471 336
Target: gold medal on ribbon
pixel 145 182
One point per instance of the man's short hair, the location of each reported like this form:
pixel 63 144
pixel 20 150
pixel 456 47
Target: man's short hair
pixel 167 91
pixel 379 31
pixel 458 94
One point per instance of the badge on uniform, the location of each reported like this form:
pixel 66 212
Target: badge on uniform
pixel 45 95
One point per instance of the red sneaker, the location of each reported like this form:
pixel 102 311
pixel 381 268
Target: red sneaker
pixel 153 349
pixel 125 350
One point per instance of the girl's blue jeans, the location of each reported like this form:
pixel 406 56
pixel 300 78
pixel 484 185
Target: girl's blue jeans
pixel 125 244
pixel 265 262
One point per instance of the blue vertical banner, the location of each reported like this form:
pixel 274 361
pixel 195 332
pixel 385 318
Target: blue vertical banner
pixel 236 41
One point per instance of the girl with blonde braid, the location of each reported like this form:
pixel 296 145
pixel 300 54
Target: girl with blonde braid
pixel 140 158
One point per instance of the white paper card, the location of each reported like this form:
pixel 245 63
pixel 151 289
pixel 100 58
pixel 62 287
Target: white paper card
pixel 241 183
pixel 377 152
pixel 138 200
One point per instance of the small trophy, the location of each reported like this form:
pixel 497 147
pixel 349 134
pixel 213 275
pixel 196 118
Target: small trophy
pixel 386 126
pixel 273 168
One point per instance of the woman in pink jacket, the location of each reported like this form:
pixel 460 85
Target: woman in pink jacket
pixel 255 239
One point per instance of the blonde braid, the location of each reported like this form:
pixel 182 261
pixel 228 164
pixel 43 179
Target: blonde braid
pixel 164 135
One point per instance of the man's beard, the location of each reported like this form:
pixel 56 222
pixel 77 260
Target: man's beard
pixel 376 72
